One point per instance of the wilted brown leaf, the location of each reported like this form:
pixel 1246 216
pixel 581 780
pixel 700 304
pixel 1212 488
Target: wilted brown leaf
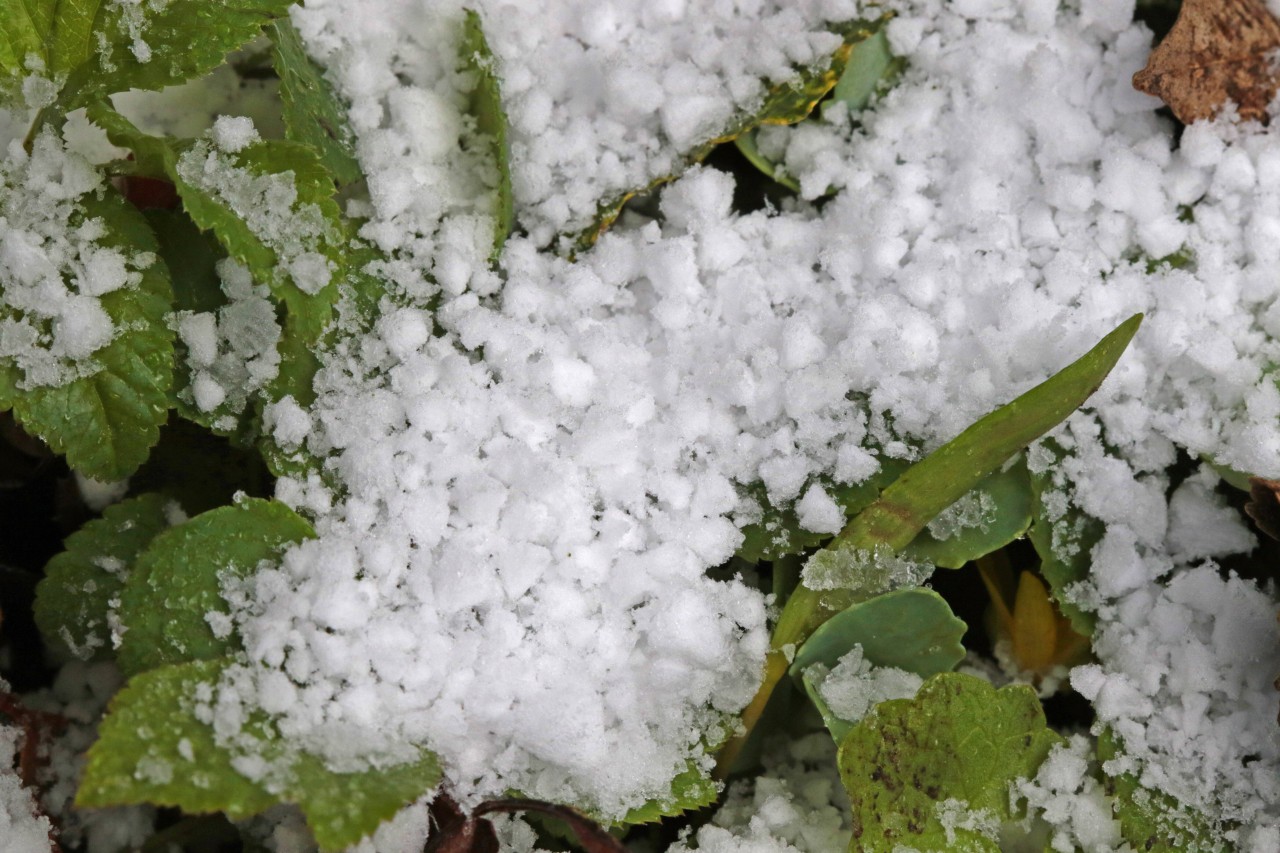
pixel 1264 505
pixel 1217 51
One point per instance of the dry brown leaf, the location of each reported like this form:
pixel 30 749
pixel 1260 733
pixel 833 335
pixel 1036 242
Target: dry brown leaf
pixel 1264 505
pixel 1217 51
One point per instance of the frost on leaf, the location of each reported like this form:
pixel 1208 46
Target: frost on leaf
pixel 165 741
pixel 959 739
pixel 86 359
pixel 185 567
pixel 1219 51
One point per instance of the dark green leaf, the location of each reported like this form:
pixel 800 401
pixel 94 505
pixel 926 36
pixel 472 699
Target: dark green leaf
pixel 73 601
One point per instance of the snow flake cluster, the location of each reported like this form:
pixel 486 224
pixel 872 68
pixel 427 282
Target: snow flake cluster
pixel 55 266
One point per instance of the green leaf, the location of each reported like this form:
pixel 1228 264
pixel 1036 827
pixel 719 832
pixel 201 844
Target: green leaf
pixel 106 420
pixel 779 533
pixel 837 575
pixel 690 790
pixel 73 600
pixel 154 747
pixel 1153 821
pixel 1001 507
pixel 941 478
pixel 313 114
pixel 176 584
pixel 958 739
pixel 870 69
pixel 908 629
pixel 342 808
pixel 270 205
pixel 1063 537
pixel 95 49
pixel 491 120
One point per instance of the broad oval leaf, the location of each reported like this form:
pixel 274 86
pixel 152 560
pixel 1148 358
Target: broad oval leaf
pixel 990 516
pixel 908 629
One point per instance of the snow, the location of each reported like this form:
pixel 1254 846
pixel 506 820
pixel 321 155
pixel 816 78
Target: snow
pixel 528 468
pixel 796 805
pixel 855 686
pixel 232 353
pixel 54 267
pixel 512 571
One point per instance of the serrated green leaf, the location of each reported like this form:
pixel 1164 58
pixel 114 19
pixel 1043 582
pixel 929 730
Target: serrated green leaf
pixel 155 747
pixel 106 420
pixel 1153 821
pixel 176 584
pixel 491 120
pixel 1003 504
pixel 958 739
pixel 1063 539
pixel 94 49
pixel 908 629
pixel 779 533
pixel 690 791
pixel 270 205
pixel 73 600
pixel 313 114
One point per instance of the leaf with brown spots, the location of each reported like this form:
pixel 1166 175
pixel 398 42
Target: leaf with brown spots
pixel 1218 51
pixel 958 740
